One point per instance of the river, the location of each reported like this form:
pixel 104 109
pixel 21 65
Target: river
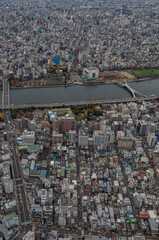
pixel 78 92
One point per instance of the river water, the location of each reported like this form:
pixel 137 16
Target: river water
pixel 78 92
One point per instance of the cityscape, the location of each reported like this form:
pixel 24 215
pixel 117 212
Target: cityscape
pixel 79 120
pixel 45 43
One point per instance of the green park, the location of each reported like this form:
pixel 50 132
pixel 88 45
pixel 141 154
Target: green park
pixel 145 73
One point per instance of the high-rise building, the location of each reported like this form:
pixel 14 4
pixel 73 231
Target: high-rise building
pixel 142 128
pixel 44 197
pixel 25 122
pixel 6 168
pixel 18 124
pixel 56 125
pixel 50 196
pixel 8 184
pixel 116 186
pixel 137 200
pixel 100 137
pixel 57 138
pixel 156 156
pixel 103 125
pixel 112 137
pixel 72 136
pixel 151 127
pixel 151 139
pixel 32 125
pixel 120 134
pixel 82 139
pixel 125 142
pixel 67 123
pixel 28 138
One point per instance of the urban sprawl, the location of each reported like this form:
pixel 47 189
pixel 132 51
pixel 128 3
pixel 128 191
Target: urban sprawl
pixel 86 171
pixel 89 172
pixel 52 42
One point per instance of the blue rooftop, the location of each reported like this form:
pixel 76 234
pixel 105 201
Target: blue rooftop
pixel 42 174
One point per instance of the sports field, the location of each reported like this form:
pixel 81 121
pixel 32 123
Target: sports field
pixel 146 73
pixel 62 110
pixel 111 76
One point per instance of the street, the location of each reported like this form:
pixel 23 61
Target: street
pixel 24 218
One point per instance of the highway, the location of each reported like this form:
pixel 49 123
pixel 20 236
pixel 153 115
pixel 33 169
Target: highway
pixel 23 212
pixel 85 102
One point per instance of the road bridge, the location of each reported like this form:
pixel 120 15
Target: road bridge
pixel 131 90
pixel 5 93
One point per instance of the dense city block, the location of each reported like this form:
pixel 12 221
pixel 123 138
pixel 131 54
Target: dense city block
pixel 90 172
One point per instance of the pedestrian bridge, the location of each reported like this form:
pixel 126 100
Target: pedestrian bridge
pixel 131 90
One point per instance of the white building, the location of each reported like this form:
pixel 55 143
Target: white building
pixel 50 196
pixel 83 139
pixel 151 139
pixel 91 72
pixel 32 125
pixel 120 134
pixel 6 168
pixel 72 136
pixel 116 186
pixel 138 200
pixel 44 197
pixel 8 184
pixel 100 137
pixel 29 236
pixel 28 138
pixel 103 125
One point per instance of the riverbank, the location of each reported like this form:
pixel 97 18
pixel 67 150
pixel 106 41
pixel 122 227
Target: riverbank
pixel 82 84
pixel 80 92
pixel 143 79
pixel 68 85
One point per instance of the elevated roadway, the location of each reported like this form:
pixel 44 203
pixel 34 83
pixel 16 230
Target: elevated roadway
pixel 86 102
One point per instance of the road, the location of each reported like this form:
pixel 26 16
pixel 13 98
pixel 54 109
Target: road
pixel 5 93
pixel 85 102
pixel 79 201
pixel 23 212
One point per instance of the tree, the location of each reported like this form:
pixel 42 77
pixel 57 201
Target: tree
pixel 1 116
pixel 13 115
pixel 98 113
